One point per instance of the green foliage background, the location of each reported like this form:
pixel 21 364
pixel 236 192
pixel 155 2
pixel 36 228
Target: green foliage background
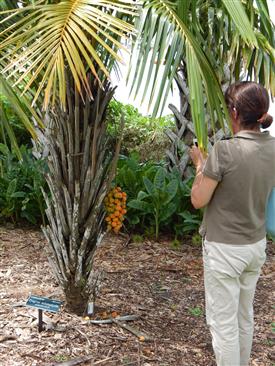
pixel 141 173
pixel 158 200
pixel 142 134
pixel 20 186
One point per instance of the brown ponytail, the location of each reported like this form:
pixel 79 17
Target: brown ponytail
pixel 266 120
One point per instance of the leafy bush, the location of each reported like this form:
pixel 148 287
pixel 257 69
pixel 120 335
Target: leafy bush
pixel 20 186
pixel 158 200
pixel 144 135
pixel 130 174
pixel 186 219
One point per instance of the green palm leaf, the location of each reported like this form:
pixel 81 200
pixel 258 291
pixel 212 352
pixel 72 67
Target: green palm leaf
pixel 5 126
pixel 207 35
pixel 22 107
pixel 239 17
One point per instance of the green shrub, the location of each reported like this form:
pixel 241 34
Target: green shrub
pixel 20 186
pixel 137 239
pixel 144 135
pixel 196 311
pixel 186 219
pixel 22 135
pixel 158 200
pixel 130 174
pixel 131 171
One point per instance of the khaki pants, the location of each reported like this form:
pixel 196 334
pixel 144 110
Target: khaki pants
pixel 231 273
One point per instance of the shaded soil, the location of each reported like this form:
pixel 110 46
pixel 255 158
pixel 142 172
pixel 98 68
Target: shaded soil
pixel 162 285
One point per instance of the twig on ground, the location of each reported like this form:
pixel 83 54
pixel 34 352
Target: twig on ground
pixel 83 334
pixel 141 335
pixel 8 338
pixel 128 240
pixel 32 356
pixel 80 361
pixel 111 320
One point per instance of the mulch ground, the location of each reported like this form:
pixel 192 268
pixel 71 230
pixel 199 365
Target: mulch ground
pixel 161 285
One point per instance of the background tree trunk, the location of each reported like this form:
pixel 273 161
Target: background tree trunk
pixel 182 135
pixel 81 168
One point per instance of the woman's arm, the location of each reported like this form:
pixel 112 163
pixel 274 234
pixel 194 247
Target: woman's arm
pixel 203 186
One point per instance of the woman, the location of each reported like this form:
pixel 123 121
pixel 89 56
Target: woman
pixel 234 184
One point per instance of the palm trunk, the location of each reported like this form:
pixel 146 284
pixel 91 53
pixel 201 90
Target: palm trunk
pixel 80 173
pixel 182 135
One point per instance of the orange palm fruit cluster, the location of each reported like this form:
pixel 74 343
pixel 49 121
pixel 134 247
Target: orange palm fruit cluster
pixel 115 206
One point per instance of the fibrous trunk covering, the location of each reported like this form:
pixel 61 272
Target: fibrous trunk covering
pixel 81 166
pixel 181 136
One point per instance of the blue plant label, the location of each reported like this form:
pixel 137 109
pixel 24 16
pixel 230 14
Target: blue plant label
pixel 43 303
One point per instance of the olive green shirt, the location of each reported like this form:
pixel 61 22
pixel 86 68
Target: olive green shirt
pixel 244 166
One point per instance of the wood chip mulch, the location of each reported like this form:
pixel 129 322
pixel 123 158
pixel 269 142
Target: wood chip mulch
pixel 161 285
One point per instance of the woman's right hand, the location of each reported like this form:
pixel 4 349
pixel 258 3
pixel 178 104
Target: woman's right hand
pixel 197 157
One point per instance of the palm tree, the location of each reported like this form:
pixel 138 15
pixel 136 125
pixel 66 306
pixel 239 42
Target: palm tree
pixel 204 45
pixel 59 56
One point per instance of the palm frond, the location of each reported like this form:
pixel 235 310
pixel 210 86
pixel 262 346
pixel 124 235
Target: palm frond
pixel 165 37
pixel 21 105
pixel 238 15
pixel 208 36
pixel 69 34
pixel 5 128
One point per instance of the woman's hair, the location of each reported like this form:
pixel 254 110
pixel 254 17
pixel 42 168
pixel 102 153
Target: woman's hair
pixel 251 101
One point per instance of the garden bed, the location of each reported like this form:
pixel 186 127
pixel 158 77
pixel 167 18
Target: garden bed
pixel 161 285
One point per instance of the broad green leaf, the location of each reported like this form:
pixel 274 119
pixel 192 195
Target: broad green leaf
pixel 140 205
pixel 168 211
pixel 18 195
pixel 189 228
pixel 141 195
pixel 149 186
pixel 133 220
pixel 171 189
pixel 159 181
pixel 189 218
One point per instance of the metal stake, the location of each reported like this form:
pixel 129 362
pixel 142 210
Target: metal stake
pixel 40 321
